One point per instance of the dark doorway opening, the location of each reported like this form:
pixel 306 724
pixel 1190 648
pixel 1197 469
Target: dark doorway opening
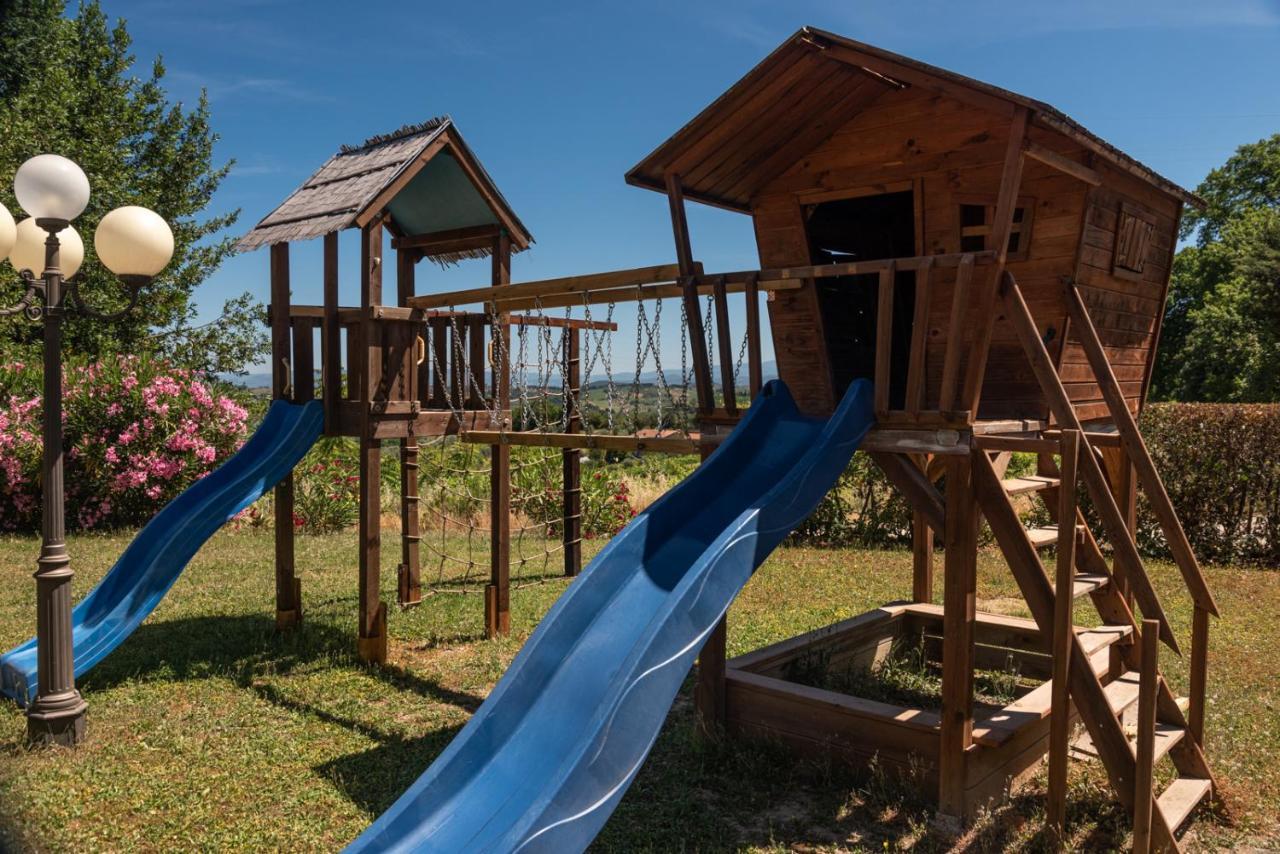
pixel 866 228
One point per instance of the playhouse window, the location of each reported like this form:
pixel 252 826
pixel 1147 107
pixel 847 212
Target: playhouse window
pixel 1133 238
pixel 976 220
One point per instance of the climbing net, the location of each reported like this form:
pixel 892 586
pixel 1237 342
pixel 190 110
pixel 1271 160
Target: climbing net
pixel 565 392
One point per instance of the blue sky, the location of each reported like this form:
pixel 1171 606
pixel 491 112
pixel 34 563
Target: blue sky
pixel 560 99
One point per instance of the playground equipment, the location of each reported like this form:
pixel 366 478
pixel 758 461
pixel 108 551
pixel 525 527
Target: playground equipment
pixel 996 271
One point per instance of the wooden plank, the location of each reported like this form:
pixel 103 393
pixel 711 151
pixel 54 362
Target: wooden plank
pixel 684 259
pixel 755 369
pixel 1063 628
pixel 915 486
pixel 1199 667
pixel 331 352
pixel 498 592
pixel 288 610
pixel 1099 491
pixel 959 604
pixel 552 287
pixel 1144 781
pixel 1002 223
pixel 884 338
pixel 617 296
pixel 919 340
pixel 1062 163
pixel 724 343
pixel 304 370
pixel 450 240
pixel 955 333
pixel 1152 484
pixel 475 361
pixel 1181 798
pixel 572 458
pixel 660 444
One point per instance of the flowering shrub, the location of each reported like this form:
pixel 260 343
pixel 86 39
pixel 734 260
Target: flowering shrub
pixel 326 487
pixel 136 433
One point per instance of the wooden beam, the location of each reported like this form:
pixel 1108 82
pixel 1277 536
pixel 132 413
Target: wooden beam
pixel 498 594
pixel 921 548
pixel 1199 673
pixel 331 353
pixel 755 369
pixel 884 337
pixel 426 243
pixel 1136 448
pixel 617 296
pixel 288 610
pixel 1063 164
pixel 960 578
pixel 724 345
pixel 693 313
pixel 659 444
pixel 1144 782
pixel 919 340
pixel 552 287
pixel 1063 629
pixel 912 483
pixel 409 573
pixel 949 389
pixel 571 522
pixel 1001 225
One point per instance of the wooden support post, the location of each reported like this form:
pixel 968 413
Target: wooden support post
pixel 919 337
pixel 684 258
pixel 1124 487
pixel 371 643
pixel 921 549
pixel 1002 224
pixel 497 595
pixel 884 338
pixel 571 523
pixel 288 593
pixel 331 349
pixel 724 346
pixel 1199 673
pixel 960 578
pixel 755 367
pixel 956 326
pixel 1063 628
pixel 409 574
pixel 709 692
pixel 1144 778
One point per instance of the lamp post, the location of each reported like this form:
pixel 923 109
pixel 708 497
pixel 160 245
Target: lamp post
pixel 135 244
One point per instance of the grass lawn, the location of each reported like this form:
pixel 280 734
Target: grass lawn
pixel 208 730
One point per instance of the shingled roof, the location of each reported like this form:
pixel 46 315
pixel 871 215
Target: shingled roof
pixel 772 128
pixel 423 175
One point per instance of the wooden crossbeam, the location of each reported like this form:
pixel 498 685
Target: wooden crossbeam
pixel 659 444
pixel 549 287
pixel 919 491
pixel 1066 165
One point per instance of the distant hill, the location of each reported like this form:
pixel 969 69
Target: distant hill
pixel 262 380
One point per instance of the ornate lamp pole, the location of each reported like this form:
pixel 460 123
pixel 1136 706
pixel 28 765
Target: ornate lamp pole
pixel 135 244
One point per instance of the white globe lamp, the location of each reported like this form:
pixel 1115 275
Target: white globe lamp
pixel 134 241
pixel 49 186
pixel 28 249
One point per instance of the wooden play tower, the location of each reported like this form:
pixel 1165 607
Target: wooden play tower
pixel 997 270
pixel 1000 273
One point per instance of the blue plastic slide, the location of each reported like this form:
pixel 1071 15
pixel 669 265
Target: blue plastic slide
pixel 157 556
pixel 547 757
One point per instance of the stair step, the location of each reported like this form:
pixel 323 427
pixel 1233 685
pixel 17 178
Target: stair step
pixel 1122 692
pixel 1003 724
pixel 1182 797
pixel 1167 735
pixel 1043 536
pixel 1030 483
pixel 1085 583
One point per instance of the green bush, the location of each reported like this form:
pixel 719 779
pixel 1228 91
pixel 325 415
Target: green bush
pixel 1220 463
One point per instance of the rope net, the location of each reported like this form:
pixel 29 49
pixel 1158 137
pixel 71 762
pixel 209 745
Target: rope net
pixel 548 394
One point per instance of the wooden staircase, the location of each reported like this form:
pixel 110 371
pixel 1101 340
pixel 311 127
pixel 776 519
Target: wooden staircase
pixel 1104 681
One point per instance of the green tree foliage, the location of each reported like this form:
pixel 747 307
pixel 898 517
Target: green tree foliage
pixel 68 85
pixel 1221 335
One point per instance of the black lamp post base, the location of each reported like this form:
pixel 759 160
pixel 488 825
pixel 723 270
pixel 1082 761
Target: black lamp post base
pixel 63 726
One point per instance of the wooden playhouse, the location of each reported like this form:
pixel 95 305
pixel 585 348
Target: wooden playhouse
pixel 1000 273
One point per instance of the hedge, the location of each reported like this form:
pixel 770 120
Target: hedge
pixel 1220 464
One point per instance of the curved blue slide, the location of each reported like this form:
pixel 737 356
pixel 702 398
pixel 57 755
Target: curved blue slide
pixel 545 760
pixel 156 557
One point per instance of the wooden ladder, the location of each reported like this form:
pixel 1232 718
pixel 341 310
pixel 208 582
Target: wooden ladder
pixel 1102 689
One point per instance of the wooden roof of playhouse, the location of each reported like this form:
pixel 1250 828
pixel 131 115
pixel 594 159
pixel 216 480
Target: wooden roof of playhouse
pixel 793 100
pixel 426 178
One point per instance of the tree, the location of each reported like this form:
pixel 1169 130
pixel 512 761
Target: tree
pixel 71 89
pixel 1249 179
